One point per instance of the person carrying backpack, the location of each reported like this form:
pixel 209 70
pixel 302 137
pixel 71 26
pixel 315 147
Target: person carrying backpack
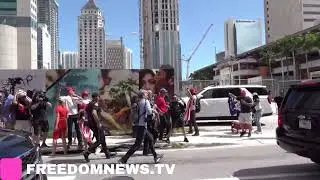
pixel 190 115
pixel 177 110
pixel 140 121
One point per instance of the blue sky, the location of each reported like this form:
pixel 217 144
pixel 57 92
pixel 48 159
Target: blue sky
pixel 122 18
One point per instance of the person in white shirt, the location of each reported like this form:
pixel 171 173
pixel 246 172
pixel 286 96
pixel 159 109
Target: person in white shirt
pixel 257 112
pixel 72 102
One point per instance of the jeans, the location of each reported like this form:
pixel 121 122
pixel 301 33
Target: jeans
pixel 142 132
pixel 193 121
pixel 165 123
pixel 73 119
pixel 100 140
pixel 146 144
pixel 257 117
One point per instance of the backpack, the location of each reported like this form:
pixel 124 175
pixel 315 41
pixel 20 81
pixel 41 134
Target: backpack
pixel 135 114
pixel 198 105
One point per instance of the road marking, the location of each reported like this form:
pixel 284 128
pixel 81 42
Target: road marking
pixel 62 177
pixel 269 176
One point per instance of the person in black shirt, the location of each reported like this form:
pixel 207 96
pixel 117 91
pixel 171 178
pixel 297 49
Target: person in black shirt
pixel 39 108
pixel 94 123
pixel 177 110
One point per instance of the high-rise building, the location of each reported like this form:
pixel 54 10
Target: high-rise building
pixel 117 55
pixel 91 37
pixel 285 17
pixel 22 14
pixel 160 36
pixel 237 40
pixel 68 60
pixel 8 47
pixel 44 47
pixel 128 58
pixel 48 13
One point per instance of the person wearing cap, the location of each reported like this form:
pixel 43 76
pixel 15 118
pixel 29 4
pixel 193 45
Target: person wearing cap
pixel 245 116
pixel 257 112
pixel 190 115
pixel 72 102
pixel 163 107
pixel 144 109
pixel 22 111
pixel 93 112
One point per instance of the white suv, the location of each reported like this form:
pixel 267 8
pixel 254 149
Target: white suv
pixel 214 101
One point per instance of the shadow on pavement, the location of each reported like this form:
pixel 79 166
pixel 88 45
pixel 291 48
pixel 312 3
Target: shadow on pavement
pixel 287 172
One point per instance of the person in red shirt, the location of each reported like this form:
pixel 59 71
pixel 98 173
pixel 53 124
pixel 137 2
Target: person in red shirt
pixel 162 107
pixel 60 126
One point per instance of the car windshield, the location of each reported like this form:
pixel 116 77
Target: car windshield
pixel 304 98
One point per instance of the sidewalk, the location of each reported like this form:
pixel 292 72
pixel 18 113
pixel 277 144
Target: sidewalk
pixel 209 136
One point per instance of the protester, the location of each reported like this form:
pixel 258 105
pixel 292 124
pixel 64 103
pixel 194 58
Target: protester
pixel 162 108
pixel 94 123
pixel 39 109
pixel 22 111
pixel 83 121
pixel 279 99
pixel 144 109
pixel 269 97
pixel 60 126
pixel 257 108
pixel 72 102
pixel 190 115
pixel 6 109
pixel 245 116
pixel 151 127
pixel 177 110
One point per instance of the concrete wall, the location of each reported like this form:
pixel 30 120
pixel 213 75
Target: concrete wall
pixel 8 47
pixel 27 48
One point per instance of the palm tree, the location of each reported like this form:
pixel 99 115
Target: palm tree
pixel 295 43
pixel 285 50
pixel 266 56
pixel 311 42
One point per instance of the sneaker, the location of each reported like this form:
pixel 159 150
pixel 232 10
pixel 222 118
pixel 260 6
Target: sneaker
pixel 242 133
pixel 258 132
pixel 185 140
pixel 196 134
pixel 86 156
pixel 158 158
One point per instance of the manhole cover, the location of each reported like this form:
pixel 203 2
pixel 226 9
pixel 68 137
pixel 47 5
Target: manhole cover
pixel 119 178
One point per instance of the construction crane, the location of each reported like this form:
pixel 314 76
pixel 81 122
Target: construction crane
pixel 196 49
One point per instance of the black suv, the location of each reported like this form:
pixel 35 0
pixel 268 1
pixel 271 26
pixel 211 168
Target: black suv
pixel 299 121
pixel 18 144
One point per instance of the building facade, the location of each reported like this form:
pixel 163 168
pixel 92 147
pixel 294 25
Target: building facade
pixel 8 47
pixel 68 60
pixel 44 47
pixel 287 17
pixel 23 16
pixel 117 55
pixel 92 51
pixel 48 13
pixel 237 40
pixel 160 35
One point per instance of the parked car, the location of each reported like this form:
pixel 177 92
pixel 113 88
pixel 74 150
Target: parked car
pixel 298 128
pixel 18 144
pixel 214 101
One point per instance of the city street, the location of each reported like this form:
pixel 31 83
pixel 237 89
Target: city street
pixel 245 163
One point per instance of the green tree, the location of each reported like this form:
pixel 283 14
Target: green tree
pixel 311 42
pixel 285 50
pixel 266 57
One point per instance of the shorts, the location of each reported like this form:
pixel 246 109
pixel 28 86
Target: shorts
pixel 40 125
pixel 24 125
pixel 245 118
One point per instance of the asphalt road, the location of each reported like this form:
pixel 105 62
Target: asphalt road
pixel 244 163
